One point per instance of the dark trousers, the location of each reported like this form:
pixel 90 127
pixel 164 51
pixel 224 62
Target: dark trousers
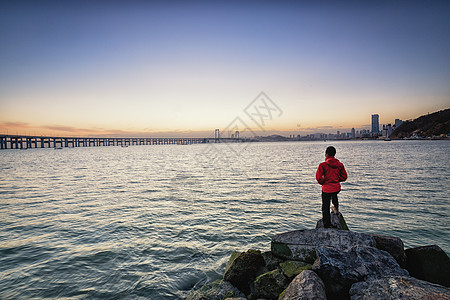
pixel 326 197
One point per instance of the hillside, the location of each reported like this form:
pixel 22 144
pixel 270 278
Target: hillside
pixel 434 124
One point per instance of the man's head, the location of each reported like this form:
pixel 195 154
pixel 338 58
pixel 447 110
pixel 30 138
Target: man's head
pixel 331 151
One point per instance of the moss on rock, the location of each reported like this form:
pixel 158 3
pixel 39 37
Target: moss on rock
pixel 217 290
pixel 292 268
pixel 242 269
pixel 233 257
pixel 269 285
pixel 343 223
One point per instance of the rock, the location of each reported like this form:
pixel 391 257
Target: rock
pixel 305 286
pixel 240 298
pixel 337 222
pixel 302 244
pixel 272 262
pixel 217 290
pixel 392 245
pixel 398 287
pixel 340 269
pixel 242 268
pixel 292 268
pixel 429 263
pixel 270 285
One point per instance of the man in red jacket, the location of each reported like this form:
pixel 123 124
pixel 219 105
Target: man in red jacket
pixel 329 174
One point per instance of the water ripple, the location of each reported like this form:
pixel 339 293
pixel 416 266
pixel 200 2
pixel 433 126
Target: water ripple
pixel 153 222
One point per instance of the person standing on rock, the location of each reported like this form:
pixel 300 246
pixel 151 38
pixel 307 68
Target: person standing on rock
pixel 329 174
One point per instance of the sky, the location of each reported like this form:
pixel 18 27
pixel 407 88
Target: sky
pixel 185 68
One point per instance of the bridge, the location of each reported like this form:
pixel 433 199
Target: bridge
pixel 28 142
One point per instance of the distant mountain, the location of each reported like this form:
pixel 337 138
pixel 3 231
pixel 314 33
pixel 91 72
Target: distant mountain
pixel 434 124
pixel 273 138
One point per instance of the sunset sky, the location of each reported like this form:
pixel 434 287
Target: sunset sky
pixel 155 68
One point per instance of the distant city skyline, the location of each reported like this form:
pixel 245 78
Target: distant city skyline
pixel 230 132
pixel 159 68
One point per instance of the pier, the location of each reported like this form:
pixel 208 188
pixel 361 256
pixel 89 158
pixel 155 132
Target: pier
pixel 29 142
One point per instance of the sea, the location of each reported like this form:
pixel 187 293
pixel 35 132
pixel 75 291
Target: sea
pixel 157 221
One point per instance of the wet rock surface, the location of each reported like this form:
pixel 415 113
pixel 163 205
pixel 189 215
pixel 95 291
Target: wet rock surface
pixel 337 222
pixel 306 286
pixel 217 290
pixel 340 269
pixel 242 269
pixel 398 287
pixel 392 245
pixel 302 244
pixel 271 284
pixel 429 263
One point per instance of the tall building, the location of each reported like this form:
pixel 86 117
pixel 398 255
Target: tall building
pixel 353 134
pixel 387 130
pixel 398 122
pixel 375 124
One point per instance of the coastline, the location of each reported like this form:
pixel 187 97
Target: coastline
pixel 333 264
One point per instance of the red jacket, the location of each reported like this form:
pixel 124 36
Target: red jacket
pixel 330 173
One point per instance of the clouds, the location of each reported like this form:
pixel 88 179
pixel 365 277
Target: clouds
pixel 58 130
pixel 28 129
pixel 18 125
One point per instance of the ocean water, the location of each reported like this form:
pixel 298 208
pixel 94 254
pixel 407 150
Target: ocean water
pixel 153 222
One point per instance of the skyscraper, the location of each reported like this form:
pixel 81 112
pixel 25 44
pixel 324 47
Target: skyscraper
pixel 375 124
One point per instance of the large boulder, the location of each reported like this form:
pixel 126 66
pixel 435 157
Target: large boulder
pixel 306 286
pixel 242 268
pixel 217 290
pixel 429 263
pixel 337 222
pixel 302 244
pixel 340 269
pixel 392 245
pixel 270 285
pixel 397 287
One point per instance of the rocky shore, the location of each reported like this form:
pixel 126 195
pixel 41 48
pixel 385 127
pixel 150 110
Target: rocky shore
pixel 333 264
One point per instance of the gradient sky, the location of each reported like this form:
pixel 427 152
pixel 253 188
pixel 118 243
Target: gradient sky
pixel 149 68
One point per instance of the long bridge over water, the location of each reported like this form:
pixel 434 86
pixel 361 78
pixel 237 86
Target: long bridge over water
pixel 28 142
